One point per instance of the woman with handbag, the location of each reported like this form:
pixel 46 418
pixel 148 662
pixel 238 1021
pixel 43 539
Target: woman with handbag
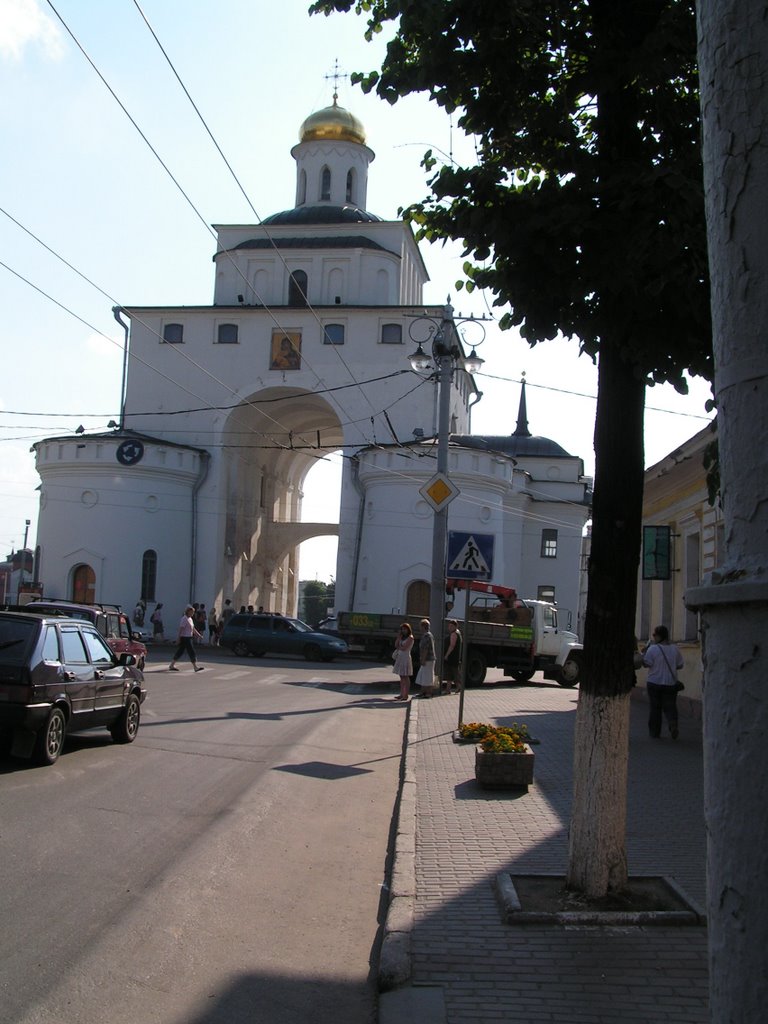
pixel 663 660
pixel 403 665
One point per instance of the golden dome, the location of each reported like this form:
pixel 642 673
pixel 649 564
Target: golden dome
pixel 332 124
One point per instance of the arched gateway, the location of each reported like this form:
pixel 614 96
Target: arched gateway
pixel 227 407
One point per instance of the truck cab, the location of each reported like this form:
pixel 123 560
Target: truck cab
pixel 558 650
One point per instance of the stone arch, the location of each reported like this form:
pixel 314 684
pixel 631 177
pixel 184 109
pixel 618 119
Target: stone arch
pixel 269 443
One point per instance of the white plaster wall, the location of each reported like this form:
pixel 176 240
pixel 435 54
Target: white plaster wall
pixel 339 157
pixel 94 510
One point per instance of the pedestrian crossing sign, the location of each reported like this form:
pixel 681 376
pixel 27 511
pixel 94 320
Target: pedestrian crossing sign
pixel 470 556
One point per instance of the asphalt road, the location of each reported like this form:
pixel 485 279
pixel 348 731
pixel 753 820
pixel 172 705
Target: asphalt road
pixel 226 867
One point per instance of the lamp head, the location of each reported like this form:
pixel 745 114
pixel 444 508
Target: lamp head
pixel 419 360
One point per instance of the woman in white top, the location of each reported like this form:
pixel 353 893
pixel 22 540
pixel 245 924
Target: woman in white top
pixel 663 661
pixel 403 665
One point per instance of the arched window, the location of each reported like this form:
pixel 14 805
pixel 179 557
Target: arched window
pixel 391 334
pixel 148 575
pixel 83 584
pixel 351 185
pixel 325 183
pixel 297 289
pixel 333 334
pixel 227 334
pixel 173 334
pixel 302 188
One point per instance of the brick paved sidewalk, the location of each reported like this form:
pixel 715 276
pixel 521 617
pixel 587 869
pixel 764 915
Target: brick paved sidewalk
pixel 466 966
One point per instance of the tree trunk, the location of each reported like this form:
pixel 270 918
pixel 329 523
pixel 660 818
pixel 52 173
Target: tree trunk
pixel 733 59
pixel 597 848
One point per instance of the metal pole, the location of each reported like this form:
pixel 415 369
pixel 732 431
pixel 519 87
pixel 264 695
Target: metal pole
pixel 444 365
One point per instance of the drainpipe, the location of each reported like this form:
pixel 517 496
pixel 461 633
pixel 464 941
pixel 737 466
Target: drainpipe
pixel 359 532
pixel 116 311
pixel 205 461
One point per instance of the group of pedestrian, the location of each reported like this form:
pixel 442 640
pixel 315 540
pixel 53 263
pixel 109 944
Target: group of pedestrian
pixel 425 677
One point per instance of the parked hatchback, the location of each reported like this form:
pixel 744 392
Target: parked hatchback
pixel 277 634
pixel 57 675
pixel 110 620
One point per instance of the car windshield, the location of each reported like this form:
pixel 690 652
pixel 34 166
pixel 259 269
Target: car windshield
pixel 16 636
pixel 299 626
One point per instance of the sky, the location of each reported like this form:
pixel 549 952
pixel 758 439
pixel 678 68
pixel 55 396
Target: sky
pixel 80 185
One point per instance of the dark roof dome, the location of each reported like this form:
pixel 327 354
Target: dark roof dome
pixel 522 442
pixel 514 445
pixel 323 215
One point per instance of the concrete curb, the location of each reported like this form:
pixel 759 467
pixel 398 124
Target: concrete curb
pixel 395 956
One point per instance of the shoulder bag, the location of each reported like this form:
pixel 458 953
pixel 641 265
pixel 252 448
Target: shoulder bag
pixel 679 685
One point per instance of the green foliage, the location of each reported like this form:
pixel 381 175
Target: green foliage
pixel 584 210
pixel 316 599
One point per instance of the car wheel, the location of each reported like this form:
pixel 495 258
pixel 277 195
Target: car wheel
pixel 126 728
pixel 476 668
pixel 312 652
pixel 570 673
pixel 50 739
pixel 240 649
pixel 523 677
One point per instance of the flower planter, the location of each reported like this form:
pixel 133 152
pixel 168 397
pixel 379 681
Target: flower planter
pixel 504 771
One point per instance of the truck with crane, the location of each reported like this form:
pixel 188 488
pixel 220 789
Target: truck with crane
pixel 519 636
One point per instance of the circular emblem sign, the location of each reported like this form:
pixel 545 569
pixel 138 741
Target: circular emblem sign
pixel 130 452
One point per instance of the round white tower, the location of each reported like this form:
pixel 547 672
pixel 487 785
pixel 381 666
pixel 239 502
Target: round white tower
pixel 332 160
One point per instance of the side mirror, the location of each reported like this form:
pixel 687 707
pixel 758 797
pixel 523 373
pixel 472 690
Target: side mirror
pixel 128 659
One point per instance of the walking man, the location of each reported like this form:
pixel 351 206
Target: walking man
pixel 187 634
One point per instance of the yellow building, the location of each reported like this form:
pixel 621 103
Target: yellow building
pixel 675 498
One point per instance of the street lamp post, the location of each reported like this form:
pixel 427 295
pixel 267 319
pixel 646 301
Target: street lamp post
pixel 447 354
pixel 22 561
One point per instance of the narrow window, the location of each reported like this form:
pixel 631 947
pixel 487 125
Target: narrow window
pixel 148 575
pixel 173 334
pixel 350 186
pixel 302 188
pixel 333 334
pixel 297 288
pixel 227 334
pixel 325 183
pixel 391 334
pixel 549 543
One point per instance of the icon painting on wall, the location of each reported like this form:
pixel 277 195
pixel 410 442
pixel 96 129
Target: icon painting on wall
pixel 286 350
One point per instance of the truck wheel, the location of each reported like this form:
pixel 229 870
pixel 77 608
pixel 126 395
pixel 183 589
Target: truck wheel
pixel 476 667
pixel 523 677
pixel 570 673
